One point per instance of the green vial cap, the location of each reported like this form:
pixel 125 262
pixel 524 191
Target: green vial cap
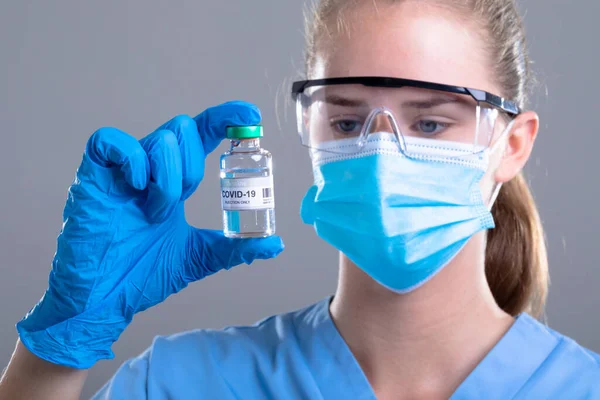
pixel 244 132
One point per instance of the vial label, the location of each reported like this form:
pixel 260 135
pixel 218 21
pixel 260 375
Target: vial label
pixel 247 193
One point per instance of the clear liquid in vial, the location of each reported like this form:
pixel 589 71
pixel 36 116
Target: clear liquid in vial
pixel 247 189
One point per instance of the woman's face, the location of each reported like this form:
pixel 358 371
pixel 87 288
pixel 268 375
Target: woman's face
pixel 413 40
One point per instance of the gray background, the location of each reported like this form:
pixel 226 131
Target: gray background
pixel 69 67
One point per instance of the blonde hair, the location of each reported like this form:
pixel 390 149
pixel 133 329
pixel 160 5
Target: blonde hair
pixel 516 262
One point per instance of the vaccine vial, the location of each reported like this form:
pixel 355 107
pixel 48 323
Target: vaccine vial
pixel 247 185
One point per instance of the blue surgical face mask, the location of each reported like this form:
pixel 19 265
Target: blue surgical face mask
pixel 399 219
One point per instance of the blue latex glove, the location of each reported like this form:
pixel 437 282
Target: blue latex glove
pixel 125 244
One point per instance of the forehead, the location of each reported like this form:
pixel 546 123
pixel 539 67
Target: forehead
pixel 408 39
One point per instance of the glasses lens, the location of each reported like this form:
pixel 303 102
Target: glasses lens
pixel 335 118
pixel 331 118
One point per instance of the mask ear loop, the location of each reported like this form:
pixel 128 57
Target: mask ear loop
pixel 395 129
pixel 491 150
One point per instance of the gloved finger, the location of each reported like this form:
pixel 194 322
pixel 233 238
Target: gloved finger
pixel 192 152
pixel 213 122
pixel 211 251
pixel 164 188
pixel 110 147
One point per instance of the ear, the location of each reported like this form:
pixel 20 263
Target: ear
pixel 519 144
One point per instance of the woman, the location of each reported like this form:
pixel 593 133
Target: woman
pixel 410 173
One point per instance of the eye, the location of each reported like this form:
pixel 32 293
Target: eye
pixel 347 126
pixel 429 127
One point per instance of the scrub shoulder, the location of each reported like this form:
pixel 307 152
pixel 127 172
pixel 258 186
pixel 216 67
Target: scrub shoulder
pixel 236 362
pixel 302 354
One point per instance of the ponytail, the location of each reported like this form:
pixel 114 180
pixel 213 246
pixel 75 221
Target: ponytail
pixel 516 263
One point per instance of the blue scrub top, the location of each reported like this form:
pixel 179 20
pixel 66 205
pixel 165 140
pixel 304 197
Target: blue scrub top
pixel 301 355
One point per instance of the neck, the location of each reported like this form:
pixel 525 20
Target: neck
pixel 427 341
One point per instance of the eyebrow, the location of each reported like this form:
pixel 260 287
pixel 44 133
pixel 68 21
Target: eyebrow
pixel 418 104
pixel 344 101
pixel 433 102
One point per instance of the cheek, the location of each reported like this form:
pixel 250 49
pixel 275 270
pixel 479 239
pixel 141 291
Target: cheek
pixel 487 185
pixel 488 182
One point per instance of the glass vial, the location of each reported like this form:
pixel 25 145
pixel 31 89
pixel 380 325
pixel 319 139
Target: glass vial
pixel 247 185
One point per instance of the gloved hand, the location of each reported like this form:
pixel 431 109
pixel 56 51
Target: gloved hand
pixel 125 244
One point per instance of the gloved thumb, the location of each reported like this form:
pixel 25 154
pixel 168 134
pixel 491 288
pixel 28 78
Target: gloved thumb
pixel 210 251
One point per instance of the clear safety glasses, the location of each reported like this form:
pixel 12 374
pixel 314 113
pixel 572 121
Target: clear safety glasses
pixel 338 114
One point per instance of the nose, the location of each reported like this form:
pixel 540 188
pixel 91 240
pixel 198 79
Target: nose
pixel 381 123
pixel 381 120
